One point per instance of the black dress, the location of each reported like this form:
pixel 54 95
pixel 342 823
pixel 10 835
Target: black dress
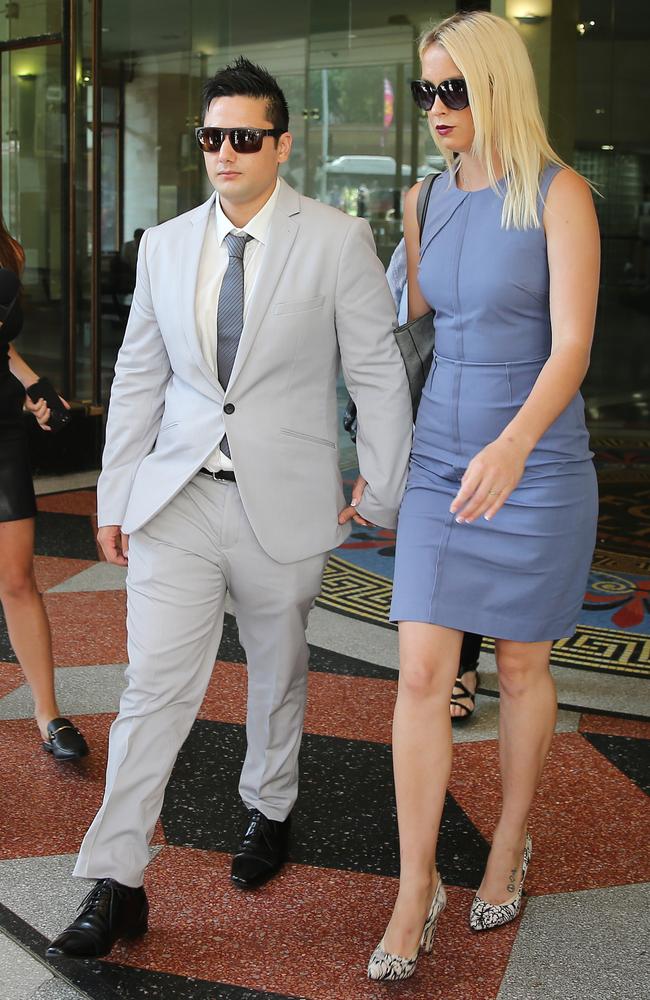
pixel 17 498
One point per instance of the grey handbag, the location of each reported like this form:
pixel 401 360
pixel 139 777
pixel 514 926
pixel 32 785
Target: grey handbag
pixel 415 339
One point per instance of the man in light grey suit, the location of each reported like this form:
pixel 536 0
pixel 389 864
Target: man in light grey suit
pixel 221 474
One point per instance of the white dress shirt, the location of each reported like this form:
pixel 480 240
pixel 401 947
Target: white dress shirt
pixel 212 268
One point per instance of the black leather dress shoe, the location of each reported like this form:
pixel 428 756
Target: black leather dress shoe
pixel 64 741
pixel 109 911
pixel 262 851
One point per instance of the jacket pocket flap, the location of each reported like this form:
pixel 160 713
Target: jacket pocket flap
pixel 282 308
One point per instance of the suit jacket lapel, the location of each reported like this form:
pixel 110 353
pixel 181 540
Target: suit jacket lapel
pixel 189 250
pixel 282 233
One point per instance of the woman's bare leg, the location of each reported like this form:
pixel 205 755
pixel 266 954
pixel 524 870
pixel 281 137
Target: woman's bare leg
pixel 527 715
pixel 421 762
pixel 27 624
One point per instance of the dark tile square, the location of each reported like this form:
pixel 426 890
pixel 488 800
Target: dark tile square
pixel 629 754
pixel 345 815
pixel 125 983
pixel 68 536
pixel 6 651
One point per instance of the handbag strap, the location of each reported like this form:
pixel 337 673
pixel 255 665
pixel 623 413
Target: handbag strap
pixel 423 200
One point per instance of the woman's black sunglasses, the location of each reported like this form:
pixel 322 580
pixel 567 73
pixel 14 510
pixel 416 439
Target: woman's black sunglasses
pixel 243 140
pixel 452 93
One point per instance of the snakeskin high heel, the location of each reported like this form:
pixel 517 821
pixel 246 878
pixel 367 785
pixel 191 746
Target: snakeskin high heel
pixel 383 965
pixel 483 916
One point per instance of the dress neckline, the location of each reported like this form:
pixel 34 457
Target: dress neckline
pixel 454 176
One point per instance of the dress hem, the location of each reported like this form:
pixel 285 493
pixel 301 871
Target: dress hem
pixel 491 626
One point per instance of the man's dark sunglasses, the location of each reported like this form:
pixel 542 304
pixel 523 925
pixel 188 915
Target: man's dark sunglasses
pixel 452 93
pixel 243 140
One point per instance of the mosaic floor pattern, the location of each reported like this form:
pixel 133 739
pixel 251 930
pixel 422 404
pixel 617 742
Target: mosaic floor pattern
pixel 307 935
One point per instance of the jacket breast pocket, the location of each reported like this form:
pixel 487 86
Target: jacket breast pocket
pixel 297 306
pixel 310 438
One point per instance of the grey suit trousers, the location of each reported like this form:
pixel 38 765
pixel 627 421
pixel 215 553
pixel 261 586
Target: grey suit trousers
pixel 181 563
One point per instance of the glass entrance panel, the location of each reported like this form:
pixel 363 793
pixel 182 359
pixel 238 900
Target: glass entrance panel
pixel 32 126
pixel 613 151
pixel 29 18
pixel 345 65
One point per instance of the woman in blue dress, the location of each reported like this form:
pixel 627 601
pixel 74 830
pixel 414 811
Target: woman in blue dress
pixel 497 526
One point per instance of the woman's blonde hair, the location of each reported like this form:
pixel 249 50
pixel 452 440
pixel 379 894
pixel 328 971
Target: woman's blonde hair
pixel 505 107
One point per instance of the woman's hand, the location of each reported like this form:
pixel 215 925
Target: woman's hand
pixel 41 411
pixel 489 480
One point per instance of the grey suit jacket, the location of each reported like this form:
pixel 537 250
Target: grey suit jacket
pixel 320 300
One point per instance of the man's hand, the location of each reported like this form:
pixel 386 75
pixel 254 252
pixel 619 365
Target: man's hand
pixel 351 512
pixel 115 544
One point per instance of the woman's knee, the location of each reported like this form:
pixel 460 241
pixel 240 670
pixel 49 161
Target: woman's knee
pixel 17 583
pixel 422 678
pixel 519 671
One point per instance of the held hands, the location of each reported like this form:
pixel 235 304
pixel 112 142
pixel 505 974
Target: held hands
pixel 41 411
pixel 489 479
pixel 350 511
pixel 115 544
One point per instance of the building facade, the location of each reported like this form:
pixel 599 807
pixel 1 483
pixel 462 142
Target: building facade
pixel 99 99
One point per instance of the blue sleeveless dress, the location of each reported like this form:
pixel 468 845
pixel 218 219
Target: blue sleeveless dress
pixel 522 575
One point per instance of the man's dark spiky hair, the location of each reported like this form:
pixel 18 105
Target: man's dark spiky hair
pixel 243 78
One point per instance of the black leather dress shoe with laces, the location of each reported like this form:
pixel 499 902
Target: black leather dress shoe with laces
pixel 262 851
pixel 109 911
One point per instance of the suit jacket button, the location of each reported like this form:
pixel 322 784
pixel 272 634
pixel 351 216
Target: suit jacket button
pixel 229 408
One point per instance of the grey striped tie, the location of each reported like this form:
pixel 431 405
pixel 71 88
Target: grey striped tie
pixel 230 313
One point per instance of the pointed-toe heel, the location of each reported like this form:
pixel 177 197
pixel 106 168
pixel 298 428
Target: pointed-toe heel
pixel 389 968
pixel 484 916
pixel 430 927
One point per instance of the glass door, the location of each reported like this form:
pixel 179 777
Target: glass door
pixel 33 137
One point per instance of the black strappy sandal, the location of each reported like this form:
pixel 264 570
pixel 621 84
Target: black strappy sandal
pixel 465 693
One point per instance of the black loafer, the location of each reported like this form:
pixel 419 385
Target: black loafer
pixel 262 852
pixel 65 742
pixel 109 911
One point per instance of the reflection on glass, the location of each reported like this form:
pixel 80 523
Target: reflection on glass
pixel 33 154
pixel 613 150
pixel 359 143
pixel 29 18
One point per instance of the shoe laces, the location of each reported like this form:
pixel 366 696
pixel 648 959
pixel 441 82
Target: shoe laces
pixel 105 888
pixel 258 824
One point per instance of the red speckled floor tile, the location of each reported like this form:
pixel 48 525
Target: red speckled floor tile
pixel 88 627
pixel 11 677
pixel 225 697
pixel 74 502
pixel 309 933
pixel 355 708
pixel 51 571
pixel 51 811
pixel 614 727
pixel 589 822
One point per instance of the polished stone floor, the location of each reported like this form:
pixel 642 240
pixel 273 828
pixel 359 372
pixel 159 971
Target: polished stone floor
pixel 584 929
